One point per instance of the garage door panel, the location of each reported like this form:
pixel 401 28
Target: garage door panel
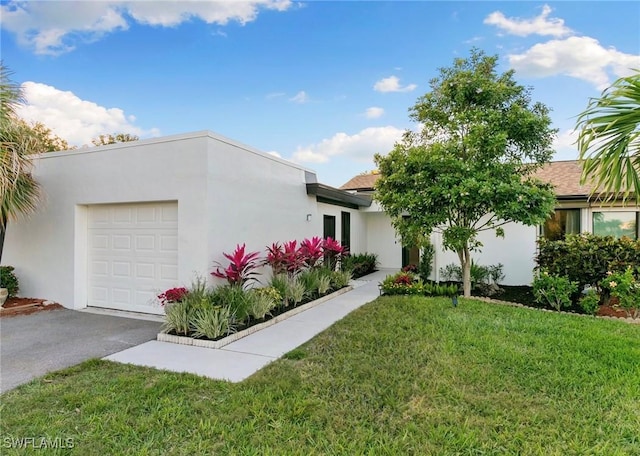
pixel 133 255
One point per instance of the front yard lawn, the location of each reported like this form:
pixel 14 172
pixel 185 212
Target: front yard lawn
pixel 402 375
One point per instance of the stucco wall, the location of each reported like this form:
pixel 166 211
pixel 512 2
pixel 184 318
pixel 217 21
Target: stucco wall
pixel 516 251
pixel 227 194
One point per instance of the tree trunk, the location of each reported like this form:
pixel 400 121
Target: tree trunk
pixel 3 228
pixel 465 264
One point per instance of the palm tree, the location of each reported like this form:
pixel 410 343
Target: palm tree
pixel 19 192
pixel 609 139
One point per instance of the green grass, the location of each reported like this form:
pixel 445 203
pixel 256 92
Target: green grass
pixel 402 375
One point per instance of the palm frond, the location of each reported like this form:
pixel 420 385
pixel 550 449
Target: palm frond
pixel 609 139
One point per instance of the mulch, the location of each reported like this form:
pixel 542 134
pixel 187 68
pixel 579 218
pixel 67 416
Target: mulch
pixel 26 306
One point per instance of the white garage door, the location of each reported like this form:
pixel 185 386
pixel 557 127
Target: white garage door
pixel 133 255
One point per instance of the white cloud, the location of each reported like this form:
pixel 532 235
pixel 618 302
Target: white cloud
pixel 73 119
pixel 53 27
pixel 565 144
pixel 374 112
pixel 275 153
pixel 539 25
pixel 300 97
pixel 360 146
pixel 271 96
pixel 392 84
pixel 579 57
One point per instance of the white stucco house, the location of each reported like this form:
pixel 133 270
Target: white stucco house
pixel 120 223
pixel 576 212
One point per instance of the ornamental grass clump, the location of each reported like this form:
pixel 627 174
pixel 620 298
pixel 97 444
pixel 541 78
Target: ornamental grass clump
pixel 553 290
pixel 212 322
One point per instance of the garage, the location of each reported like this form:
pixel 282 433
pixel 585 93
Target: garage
pixel 132 254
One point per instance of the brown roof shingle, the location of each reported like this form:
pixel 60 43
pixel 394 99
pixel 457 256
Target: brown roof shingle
pixel 361 182
pixel 564 175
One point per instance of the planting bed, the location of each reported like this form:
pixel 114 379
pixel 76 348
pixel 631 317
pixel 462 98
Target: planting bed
pixel 255 325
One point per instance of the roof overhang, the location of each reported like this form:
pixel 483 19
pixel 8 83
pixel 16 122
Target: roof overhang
pixel 337 197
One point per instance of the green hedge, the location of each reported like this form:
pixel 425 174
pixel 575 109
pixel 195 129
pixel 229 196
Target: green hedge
pixel 9 280
pixel 586 258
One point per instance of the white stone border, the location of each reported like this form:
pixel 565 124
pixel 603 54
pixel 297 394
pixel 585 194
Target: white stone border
pixel 183 340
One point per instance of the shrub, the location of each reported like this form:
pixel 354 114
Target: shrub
pixel 9 280
pixel 590 302
pixel 340 279
pixel 481 276
pixel 178 318
pixel 410 268
pixel 242 266
pixel 211 322
pixel 359 264
pixel 262 301
pixel 235 298
pixel 425 265
pixel 273 294
pixel 626 287
pixel 172 295
pixel 279 283
pixel 333 252
pixel 553 290
pixel 586 258
pixel 403 283
pixel 311 281
pixel 311 251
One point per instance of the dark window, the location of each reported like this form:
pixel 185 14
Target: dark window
pixel 345 238
pixel 329 229
pixel 616 223
pixel 561 223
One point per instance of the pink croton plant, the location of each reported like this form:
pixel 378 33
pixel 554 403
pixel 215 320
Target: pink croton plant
pixel 311 251
pixel 242 266
pixel 333 252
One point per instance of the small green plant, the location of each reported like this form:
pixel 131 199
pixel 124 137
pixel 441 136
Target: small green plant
pixel 340 279
pixel 310 278
pixel 260 303
pixel 279 283
pixel 295 290
pixel 235 298
pixel 211 322
pixel 359 264
pixel 273 294
pixel 553 290
pixel 9 280
pixel 426 260
pixel 590 302
pixel 324 284
pixel 178 318
pixel 626 287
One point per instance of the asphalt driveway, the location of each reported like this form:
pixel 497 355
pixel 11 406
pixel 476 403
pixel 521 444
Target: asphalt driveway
pixel 33 345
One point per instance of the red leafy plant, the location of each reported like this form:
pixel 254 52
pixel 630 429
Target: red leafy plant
pixel 404 278
pixel 275 259
pixel 292 257
pixel 242 266
pixel 311 251
pixel 333 252
pixel 173 295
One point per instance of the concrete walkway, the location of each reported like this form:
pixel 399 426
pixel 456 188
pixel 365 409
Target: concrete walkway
pixel 242 358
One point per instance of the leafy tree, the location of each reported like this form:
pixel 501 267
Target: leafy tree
pixel 469 168
pixel 103 140
pixel 47 141
pixel 19 192
pixel 609 139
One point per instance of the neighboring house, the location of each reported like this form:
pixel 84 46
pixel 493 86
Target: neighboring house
pixel 576 212
pixel 120 223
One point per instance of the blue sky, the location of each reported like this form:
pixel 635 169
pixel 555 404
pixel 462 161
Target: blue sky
pixel 324 84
